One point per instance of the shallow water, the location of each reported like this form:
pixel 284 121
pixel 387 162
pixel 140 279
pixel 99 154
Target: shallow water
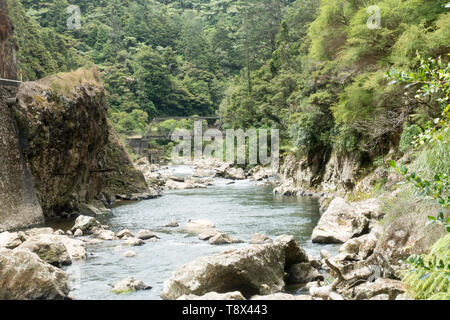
pixel 240 209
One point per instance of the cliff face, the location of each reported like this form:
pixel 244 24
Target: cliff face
pixel 62 121
pixel 323 171
pixel 68 142
pixel 7 47
pixel 18 202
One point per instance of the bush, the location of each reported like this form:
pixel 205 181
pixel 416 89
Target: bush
pixel 409 135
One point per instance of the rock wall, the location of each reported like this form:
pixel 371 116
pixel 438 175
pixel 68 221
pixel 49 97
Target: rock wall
pixel 18 202
pixel 320 171
pixel 58 152
pixel 68 142
pixel 7 47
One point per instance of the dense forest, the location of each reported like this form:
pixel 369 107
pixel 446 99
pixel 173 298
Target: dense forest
pixel 311 68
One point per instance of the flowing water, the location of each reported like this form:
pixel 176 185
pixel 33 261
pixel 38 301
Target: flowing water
pixel 239 209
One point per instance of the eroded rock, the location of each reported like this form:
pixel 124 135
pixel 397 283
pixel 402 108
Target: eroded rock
pixel 49 248
pixel 341 222
pixel 24 276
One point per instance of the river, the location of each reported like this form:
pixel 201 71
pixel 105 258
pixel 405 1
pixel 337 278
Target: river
pixel 240 209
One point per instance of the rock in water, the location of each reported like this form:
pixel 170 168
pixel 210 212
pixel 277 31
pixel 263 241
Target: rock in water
pixel 145 235
pixel 124 234
pixel 129 285
pixel 172 224
pixel 245 270
pixel 49 248
pixel 252 270
pixel 24 276
pixel 134 242
pixel 222 238
pixel 260 239
pixel 85 224
pixel 341 222
pixel 129 254
pixel 208 234
pixel 103 234
pixel 198 226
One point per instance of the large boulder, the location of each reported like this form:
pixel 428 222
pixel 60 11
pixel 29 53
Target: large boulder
pixel 24 276
pixel 49 248
pixel 85 224
pixel 9 240
pixel 341 222
pixel 258 269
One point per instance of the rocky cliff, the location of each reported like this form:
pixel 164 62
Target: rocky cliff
pixel 57 147
pixel 7 47
pixel 18 202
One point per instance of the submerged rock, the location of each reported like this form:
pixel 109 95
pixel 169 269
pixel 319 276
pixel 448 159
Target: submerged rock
pixel 146 235
pixel 260 239
pixel 129 254
pixel 129 285
pixel 172 224
pixel 198 226
pixel 24 276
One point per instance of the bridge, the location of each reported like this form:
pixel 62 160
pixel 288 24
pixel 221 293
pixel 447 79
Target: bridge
pixel 9 83
pixel 140 144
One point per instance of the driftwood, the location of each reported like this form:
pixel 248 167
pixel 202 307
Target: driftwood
pixel 328 292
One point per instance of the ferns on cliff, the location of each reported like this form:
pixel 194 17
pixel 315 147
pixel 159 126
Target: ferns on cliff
pixel 430 279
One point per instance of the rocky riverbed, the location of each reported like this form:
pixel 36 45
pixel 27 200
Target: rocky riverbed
pixel 252 246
